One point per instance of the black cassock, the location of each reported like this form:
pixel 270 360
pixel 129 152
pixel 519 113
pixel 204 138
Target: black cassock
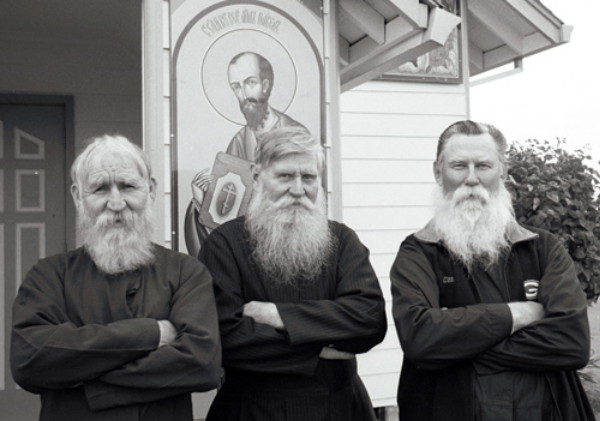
pixel 276 374
pixel 87 341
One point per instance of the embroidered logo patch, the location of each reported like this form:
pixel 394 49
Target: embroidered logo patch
pixel 448 280
pixel 531 288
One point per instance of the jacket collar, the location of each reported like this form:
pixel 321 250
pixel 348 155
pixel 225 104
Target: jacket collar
pixel 516 233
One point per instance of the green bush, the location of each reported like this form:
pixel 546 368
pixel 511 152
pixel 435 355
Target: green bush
pixel 557 190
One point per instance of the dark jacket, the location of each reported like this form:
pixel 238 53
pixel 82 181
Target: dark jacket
pixel 451 336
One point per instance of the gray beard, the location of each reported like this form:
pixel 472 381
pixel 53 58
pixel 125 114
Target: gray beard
pixel 289 244
pixel 117 249
pixel 475 229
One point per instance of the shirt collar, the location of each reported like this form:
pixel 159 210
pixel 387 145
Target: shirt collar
pixel 516 234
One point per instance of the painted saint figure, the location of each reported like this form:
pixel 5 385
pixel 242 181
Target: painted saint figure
pixel 251 79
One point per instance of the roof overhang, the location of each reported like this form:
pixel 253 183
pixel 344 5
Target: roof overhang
pixel 504 31
pixel 376 36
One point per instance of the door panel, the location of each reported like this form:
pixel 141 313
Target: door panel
pixel 32 218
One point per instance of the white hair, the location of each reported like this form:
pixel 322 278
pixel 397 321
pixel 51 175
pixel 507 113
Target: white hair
pixel 109 144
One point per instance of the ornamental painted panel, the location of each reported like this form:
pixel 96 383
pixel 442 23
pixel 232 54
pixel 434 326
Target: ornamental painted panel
pixel 217 108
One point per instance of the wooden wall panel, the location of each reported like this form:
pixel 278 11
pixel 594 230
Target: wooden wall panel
pixel 383 241
pixel 380 361
pixel 393 102
pixel 396 124
pixel 370 194
pixel 386 171
pixel 382 387
pixel 390 217
pixel 388 145
pixel 392 147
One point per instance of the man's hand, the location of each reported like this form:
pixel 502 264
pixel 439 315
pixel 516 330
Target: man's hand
pixel 200 184
pixel 263 312
pixel 167 332
pixel 525 313
pixel 329 353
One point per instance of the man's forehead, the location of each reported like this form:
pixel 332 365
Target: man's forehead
pixel 471 145
pixel 246 65
pixel 115 164
pixel 304 160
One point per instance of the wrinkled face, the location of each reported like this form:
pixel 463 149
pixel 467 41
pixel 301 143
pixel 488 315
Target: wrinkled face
pixel 244 79
pixel 294 178
pixel 113 185
pixel 470 161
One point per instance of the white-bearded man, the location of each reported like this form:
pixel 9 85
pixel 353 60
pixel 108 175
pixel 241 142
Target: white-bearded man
pixel 296 295
pixel 490 314
pixel 120 329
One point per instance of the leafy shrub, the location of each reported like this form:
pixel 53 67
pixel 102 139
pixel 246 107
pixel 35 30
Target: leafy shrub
pixel 556 190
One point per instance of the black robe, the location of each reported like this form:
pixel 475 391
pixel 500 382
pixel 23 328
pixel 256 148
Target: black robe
pixel 276 374
pixel 87 342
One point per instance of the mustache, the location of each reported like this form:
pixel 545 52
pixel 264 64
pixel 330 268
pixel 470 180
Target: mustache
pixel 288 201
pixel 465 193
pixel 254 101
pixel 109 219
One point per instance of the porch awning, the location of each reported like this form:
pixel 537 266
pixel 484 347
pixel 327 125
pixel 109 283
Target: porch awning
pixel 376 36
pixel 502 31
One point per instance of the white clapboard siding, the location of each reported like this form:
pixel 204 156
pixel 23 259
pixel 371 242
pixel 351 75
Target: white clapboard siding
pixel 393 147
pixel 382 387
pixel 382 262
pixel 389 134
pixel 387 217
pixel 382 241
pixel 380 361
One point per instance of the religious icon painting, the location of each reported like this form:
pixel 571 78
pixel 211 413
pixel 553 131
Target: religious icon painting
pixel 229 193
pixel 238 70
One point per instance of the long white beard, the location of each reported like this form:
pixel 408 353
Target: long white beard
pixel 474 224
pixel 118 248
pixel 290 243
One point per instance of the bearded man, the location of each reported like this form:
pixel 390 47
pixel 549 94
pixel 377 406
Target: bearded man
pixel 251 80
pixel 296 295
pixel 490 314
pixel 120 328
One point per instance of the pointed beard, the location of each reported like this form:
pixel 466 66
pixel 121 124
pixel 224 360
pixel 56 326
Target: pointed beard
pixel 255 111
pixel 118 247
pixel 290 242
pixel 473 223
